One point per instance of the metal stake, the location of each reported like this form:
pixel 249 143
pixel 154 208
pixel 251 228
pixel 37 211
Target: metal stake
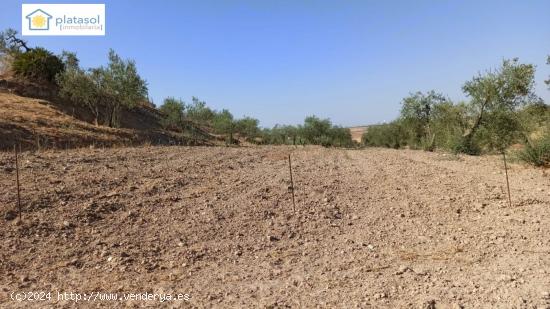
pixel 17 181
pixel 507 182
pixel 291 184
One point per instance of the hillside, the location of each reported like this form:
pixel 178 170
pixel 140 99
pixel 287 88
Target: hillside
pixel 38 123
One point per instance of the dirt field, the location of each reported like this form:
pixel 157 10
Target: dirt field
pixel 373 228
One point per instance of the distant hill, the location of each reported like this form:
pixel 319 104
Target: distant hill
pixel 357 132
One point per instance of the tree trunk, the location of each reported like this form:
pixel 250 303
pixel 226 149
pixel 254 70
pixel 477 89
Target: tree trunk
pixel 113 121
pixel 468 137
pixel 96 116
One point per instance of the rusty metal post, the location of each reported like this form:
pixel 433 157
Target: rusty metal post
pixel 291 184
pixel 507 182
pixel 17 180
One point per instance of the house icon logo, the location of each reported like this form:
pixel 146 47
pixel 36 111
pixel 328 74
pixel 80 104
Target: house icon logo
pixel 39 20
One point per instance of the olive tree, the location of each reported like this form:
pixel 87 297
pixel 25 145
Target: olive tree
pixel 503 90
pixel 121 84
pixel 223 123
pixel 10 46
pixel 340 136
pixel 80 87
pixel 199 113
pixel 496 98
pixel 417 114
pixel 247 127
pixel 107 88
pixel 10 43
pixel 70 60
pixel 315 130
pixel 36 64
pixel 173 113
pixel 292 132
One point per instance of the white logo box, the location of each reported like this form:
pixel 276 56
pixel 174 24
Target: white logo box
pixel 62 19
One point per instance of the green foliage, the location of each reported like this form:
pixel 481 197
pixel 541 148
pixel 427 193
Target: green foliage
pixel 69 59
pixel 509 87
pixel 497 93
pixel 318 131
pixel 493 119
pixel 199 113
pixel 417 113
pixel 110 88
pixel 501 129
pixel 537 153
pixel 448 125
pixel 340 137
pixel 10 44
pixel 314 131
pixel 173 113
pixel 247 127
pixel 286 134
pixel 223 123
pixel 278 135
pixel 123 81
pixel 37 64
pixel 120 86
pixel 390 135
pixel 80 88
pixel 548 80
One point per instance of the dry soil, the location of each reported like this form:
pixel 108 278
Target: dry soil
pixel 373 228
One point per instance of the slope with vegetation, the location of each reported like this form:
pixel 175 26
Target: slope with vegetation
pixel 116 96
pixel 39 124
pixel 503 110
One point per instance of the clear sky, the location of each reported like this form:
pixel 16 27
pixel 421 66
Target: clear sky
pixel 278 61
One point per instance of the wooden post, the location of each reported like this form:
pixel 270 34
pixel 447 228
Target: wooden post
pixel 507 182
pixel 291 184
pixel 17 181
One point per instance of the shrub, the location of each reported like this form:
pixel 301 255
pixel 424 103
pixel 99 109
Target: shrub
pixel 223 123
pixel 316 131
pixel 199 113
pixel 37 64
pixel 247 127
pixel 417 115
pixel 172 113
pixel 537 153
pixel 390 135
pixel 340 136
pixel 465 145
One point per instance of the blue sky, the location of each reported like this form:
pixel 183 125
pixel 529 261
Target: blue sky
pixel 278 61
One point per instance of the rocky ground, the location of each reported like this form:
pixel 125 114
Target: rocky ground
pixel 372 228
